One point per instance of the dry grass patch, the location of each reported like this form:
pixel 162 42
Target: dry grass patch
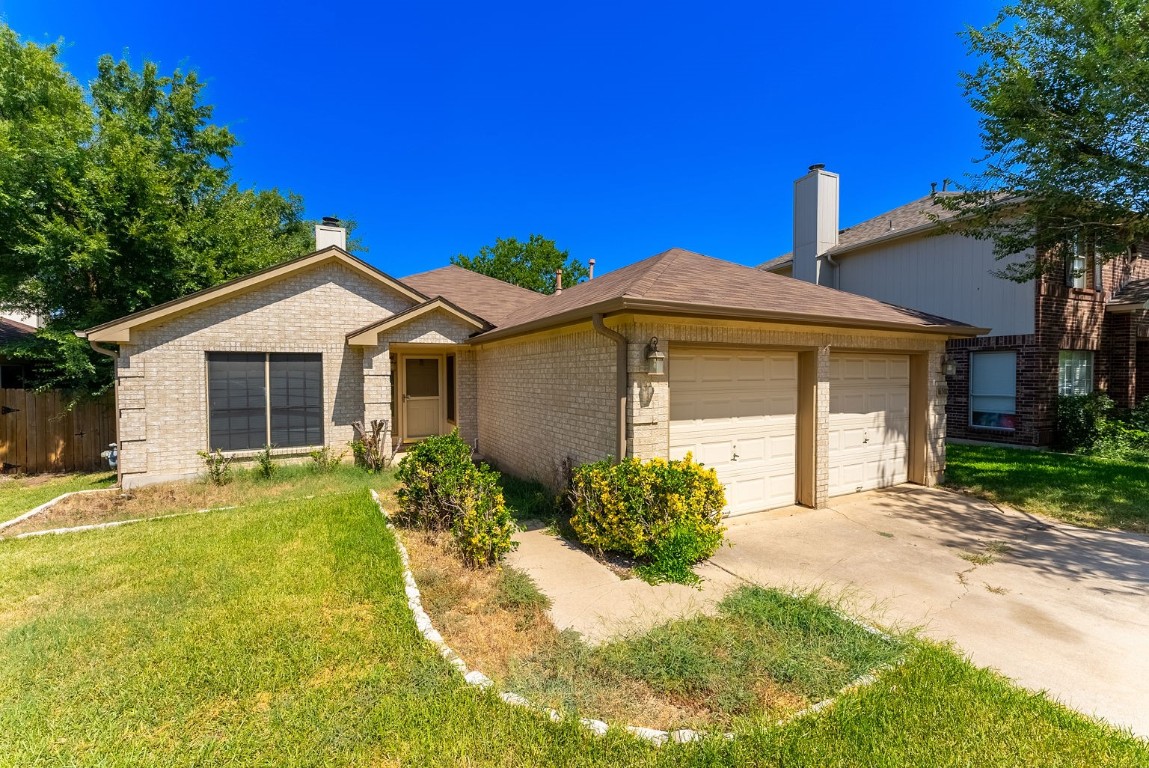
pixel 190 496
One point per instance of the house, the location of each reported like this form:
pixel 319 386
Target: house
pixel 1082 329
pixel 791 391
pixel 13 373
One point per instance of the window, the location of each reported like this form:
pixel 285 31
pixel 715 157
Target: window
pixel 1074 372
pixel 257 399
pixel 451 388
pixel 1082 267
pixel 993 389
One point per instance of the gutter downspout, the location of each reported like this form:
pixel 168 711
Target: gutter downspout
pixel 115 355
pixel 833 264
pixel 620 378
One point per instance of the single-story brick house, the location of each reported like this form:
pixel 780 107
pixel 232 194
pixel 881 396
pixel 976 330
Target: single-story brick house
pixel 793 392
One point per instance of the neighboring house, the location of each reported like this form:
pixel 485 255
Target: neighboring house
pixel 792 392
pixel 13 373
pixel 1080 330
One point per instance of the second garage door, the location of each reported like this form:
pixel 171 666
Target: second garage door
pixel 869 421
pixel 737 412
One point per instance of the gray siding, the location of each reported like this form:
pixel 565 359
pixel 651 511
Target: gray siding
pixel 947 275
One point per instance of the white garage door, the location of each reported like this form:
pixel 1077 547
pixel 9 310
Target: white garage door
pixel 869 421
pixel 737 412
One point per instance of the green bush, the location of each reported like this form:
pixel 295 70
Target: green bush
pixel 264 465
pixel 1081 420
pixel 668 513
pixel 218 466
pixel 325 459
pixel 443 490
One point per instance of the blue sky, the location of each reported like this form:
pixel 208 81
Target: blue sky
pixel 616 129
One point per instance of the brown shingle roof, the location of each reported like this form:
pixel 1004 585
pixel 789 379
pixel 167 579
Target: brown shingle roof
pixel 1135 293
pixel 690 283
pixel 491 299
pixel 913 216
pixel 10 330
pixel 901 220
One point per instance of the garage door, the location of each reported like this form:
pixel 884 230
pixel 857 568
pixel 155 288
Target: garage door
pixel 869 421
pixel 736 412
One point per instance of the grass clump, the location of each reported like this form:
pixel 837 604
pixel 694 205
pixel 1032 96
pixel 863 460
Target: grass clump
pixel 1090 491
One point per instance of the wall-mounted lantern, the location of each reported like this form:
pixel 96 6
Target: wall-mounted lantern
pixel 949 365
pixel 655 359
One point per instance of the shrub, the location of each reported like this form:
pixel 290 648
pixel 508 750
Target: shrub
pixel 372 446
pixel 325 459
pixel 264 466
pixel 668 513
pixel 218 466
pixel 443 490
pixel 1081 420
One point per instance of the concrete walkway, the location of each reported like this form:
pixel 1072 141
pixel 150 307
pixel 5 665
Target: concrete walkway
pixel 1063 609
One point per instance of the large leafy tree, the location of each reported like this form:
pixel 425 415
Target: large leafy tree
pixel 116 198
pixel 532 264
pixel 1063 93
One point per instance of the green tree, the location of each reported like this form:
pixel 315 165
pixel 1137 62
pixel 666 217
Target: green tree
pixel 531 264
pixel 116 199
pixel 1063 93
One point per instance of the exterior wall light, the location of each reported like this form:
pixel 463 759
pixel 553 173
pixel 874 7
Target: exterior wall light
pixel 949 365
pixel 655 360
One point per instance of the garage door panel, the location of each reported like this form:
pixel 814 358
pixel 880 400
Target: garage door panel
pixel 869 418
pixel 736 412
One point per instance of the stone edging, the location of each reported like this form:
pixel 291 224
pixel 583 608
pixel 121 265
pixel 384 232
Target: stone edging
pixel 49 504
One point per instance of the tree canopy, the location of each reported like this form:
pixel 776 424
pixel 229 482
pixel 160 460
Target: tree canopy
pixel 531 264
pixel 1063 93
pixel 115 198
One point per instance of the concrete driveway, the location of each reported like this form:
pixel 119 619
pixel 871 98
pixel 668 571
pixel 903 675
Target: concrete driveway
pixel 1059 608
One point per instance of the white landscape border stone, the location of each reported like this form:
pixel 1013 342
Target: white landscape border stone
pixel 597 727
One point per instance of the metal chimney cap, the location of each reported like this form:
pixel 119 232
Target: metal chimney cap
pixel 818 166
pixel 332 221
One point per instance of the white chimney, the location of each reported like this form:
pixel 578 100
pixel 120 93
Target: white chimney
pixel 330 232
pixel 815 223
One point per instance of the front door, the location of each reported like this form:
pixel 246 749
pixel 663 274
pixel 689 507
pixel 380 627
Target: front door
pixel 422 401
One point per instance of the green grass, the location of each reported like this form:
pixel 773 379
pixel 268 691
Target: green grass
pixel 765 655
pixel 1083 490
pixel 21 494
pixel 278 634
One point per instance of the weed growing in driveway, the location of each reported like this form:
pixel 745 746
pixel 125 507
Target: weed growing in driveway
pixel 989 555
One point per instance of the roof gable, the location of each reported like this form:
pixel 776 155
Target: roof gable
pixel 368 336
pixel 119 331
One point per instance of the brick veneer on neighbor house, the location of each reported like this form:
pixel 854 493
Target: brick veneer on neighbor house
pixel 1065 318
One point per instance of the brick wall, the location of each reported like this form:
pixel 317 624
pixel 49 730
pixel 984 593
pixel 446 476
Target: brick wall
pixel 1142 370
pixel 162 376
pixel 545 398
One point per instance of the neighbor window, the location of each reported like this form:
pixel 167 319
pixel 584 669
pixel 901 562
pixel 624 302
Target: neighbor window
pixel 257 399
pixel 1082 267
pixel 1074 372
pixel 993 389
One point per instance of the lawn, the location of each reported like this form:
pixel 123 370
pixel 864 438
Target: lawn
pixel 20 494
pixel 1083 490
pixel 277 634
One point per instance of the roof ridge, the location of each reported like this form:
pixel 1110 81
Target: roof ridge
pixel 651 274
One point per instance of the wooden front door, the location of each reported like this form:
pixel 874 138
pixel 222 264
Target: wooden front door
pixel 422 397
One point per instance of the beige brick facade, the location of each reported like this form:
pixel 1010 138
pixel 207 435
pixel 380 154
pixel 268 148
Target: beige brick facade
pixel 547 398
pixel 162 375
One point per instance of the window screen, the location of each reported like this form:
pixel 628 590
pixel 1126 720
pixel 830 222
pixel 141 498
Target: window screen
pixel 296 399
pixel 1075 372
pixel 993 389
pixel 242 414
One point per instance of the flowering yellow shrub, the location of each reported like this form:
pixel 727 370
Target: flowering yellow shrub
pixel 636 506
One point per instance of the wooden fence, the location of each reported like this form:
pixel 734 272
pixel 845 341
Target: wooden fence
pixel 39 434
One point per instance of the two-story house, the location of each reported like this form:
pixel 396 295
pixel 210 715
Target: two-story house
pixel 1071 331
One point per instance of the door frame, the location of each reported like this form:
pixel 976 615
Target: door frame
pixel 401 358
pixel 401 410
